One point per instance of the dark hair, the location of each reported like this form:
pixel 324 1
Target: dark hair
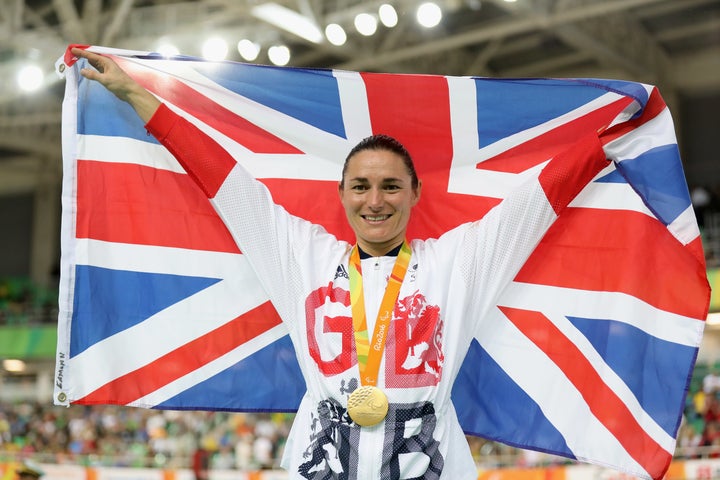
pixel 383 142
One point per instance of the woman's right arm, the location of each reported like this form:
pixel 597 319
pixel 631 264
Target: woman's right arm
pixel 269 237
pixel 201 157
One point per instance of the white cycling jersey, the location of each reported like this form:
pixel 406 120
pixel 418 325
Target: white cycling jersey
pixel 451 284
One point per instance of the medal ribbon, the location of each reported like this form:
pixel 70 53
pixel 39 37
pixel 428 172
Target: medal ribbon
pixel 369 357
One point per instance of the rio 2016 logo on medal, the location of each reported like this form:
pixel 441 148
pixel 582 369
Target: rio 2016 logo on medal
pixel 367 406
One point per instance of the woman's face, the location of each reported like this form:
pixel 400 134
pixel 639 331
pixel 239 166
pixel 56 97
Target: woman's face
pixel 377 195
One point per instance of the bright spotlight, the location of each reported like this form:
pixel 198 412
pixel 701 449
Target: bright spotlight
pixel 30 78
pixel 13 365
pixel 279 55
pixel 248 49
pixel 429 14
pixel 335 34
pixel 168 50
pixel 289 20
pixel 388 15
pixel 215 49
pixel 366 24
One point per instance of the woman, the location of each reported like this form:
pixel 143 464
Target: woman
pixel 380 327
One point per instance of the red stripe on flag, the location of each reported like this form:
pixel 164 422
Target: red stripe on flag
pixel 220 118
pixel 415 109
pixel 609 250
pixel 654 106
pixel 128 203
pixel 543 147
pixel 185 359
pixel 607 407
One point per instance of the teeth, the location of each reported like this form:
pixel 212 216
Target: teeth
pixel 375 218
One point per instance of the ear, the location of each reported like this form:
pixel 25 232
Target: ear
pixel 417 192
pixel 340 190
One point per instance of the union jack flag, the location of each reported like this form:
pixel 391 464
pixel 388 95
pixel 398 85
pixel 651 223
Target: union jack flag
pixel 588 354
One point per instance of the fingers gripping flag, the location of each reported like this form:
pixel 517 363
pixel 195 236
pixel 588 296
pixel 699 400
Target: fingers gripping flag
pixel 589 353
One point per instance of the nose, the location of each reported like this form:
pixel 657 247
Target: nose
pixel 375 198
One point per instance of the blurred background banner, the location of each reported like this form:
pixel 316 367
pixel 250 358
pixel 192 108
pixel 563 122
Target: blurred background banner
pixel 29 343
pixel 714 279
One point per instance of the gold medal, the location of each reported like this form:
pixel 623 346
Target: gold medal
pixel 367 406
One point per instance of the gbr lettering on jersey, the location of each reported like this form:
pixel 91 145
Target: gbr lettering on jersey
pixel 413 350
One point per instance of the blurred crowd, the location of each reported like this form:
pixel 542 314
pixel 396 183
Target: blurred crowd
pixel 106 435
pixel 133 437
pixel 110 435
pixel 699 434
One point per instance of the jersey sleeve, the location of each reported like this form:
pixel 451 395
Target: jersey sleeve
pixel 271 239
pixel 496 247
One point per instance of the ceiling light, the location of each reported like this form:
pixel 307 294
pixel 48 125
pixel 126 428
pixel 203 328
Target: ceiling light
pixel 289 20
pixel 30 78
pixel 366 24
pixel 168 50
pixel 335 34
pixel 215 49
pixel 279 54
pixel 248 49
pixel 429 14
pixel 388 15
pixel 13 365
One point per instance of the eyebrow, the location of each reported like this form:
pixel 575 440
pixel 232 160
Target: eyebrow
pixel 384 180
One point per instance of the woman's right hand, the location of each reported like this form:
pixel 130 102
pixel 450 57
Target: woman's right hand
pixel 116 80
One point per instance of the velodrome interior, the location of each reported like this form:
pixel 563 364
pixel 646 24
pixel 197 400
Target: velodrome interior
pixel 674 44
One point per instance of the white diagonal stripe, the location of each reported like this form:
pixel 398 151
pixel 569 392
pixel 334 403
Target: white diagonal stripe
pixel 211 368
pixel 465 177
pixel 546 384
pixel 613 381
pixel 323 152
pixel 127 150
pixel 607 305
pixel 155 259
pixel 654 133
pixel 166 331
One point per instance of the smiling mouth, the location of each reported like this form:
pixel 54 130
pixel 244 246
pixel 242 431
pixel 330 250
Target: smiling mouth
pixel 375 218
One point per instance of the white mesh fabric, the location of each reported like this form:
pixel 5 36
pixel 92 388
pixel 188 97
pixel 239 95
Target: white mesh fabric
pixel 272 239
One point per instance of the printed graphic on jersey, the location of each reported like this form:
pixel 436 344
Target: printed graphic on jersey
pixel 414 348
pixel 330 338
pixel 333 450
pixel 341 273
pixel 411 451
